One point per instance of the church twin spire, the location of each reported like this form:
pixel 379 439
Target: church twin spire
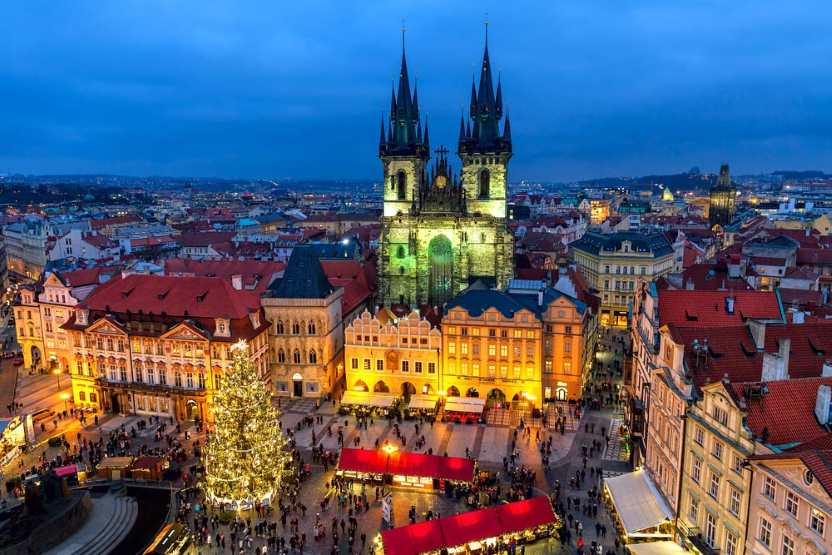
pixel 403 134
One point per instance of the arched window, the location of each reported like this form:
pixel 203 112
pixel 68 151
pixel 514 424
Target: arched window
pixel 296 356
pixel 401 185
pixel 281 356
pixel 485 184
pixel 279 327
pixel 310 329
pixel 295 328
pixel 400 252
pixel 313 357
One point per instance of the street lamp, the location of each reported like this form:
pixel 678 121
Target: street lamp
pixel 389 448
pixel 57 372
pixel 66 397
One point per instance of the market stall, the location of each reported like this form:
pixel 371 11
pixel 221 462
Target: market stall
pixel 148 468
pixel 365 403
pixel 521 522
pixel 412 470
pixel 422 405
pixel 640 511
pixel 113 468
pixel 464 409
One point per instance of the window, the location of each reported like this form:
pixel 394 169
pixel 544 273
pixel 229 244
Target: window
pixel 696 470
pixel 765 532
pixel 279 326
pixel 177 378
pixel 788 546
pixel 699 436
pixel 817 521
pixel 367 364
pixel 769 488
pixel 354 364
pixel 736 464
pixel 713 489
pixel 189 380
pixel 163 377
pixel 492 332
pixel 122 372
pixel 281 356
pixel 547 366
pixel 400 252
pixel 431 368
pixel 484 184
pixel 717 450
pixel 380 365
pixel 710 530
pixel 503 351
pixel 492 371
pixel 81 396
pixel 567 366
pixel 734 502
pixel 451 348
pixel 730 543
pixel 93 398
pixel 296 357
pixel 791 503
pixel 720 415
pixel 401 186
pixel 693 510
pixel 417 367
pixel 405 366
pixel 151 375
pixel 567 346
pixel 475 369
pixel 475 349
pixel 295 328
pixel 313 357
pixel 310 328
pixel 463 348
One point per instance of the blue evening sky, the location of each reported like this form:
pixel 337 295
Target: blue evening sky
pixel 276 88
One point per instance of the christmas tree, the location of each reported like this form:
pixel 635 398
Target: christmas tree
pixel 247 456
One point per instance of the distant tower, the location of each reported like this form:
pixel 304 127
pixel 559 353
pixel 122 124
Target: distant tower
pixel 403 148
pixel 723 199
pixel 483 148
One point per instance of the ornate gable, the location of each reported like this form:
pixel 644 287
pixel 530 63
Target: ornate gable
pixel 184 332
pixel 106 326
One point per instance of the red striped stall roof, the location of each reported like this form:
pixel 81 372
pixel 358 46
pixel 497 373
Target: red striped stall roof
pixel 433 535
pixel 406 464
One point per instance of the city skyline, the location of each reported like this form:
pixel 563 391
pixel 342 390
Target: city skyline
pixel 256 91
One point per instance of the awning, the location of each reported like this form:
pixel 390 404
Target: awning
pixel 421 401
pixel 637 501
pixel 657 548
pixel 472 526
pixel 406 464
pixel 465 404
pixel 67 470
pixel 368 399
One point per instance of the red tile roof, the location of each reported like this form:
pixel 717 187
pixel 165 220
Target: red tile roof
pixel 786 412
pixel 115 221
pixel 89 276
pixel 768 261
pixel 205 238
pixel 712 277
pixel 256 275
pixel 198 297
pixel 732 352
pixel 814 257
pixel 818 460
pixel 357 278
pixel 708 308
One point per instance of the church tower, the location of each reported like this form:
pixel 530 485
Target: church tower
pixel 723 199
pixel 483 148
pixel 403 148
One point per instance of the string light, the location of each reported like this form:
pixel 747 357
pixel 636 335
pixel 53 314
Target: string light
pixel 248 456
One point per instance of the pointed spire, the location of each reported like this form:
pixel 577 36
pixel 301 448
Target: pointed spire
pixel 468 129
pixel 390 136
pixel 427 139
pixel 382 140
pixel 418 131
pixel 404 100
pixel 392 101
pixel 415 114
pixel 461 128
pixel 507 129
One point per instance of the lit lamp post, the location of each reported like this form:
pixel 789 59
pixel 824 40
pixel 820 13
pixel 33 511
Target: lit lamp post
pixel 65 397
pixel 58 372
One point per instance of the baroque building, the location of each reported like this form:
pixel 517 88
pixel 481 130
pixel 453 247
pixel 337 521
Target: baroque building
pixel 442 231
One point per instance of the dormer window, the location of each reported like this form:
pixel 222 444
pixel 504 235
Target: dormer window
pixel 222 328
pixel 255 319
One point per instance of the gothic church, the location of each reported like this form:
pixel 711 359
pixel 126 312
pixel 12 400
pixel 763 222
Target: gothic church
pixel 443 231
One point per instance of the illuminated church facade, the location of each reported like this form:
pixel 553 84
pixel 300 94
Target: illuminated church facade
pixel 443 231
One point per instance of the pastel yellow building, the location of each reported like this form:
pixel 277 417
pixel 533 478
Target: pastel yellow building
pixel 388 354
pixel 492 347
pixel 29 329
pixel 716 483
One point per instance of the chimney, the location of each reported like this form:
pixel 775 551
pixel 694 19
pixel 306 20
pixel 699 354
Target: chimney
pixel 823 403
pixel 729 305
pixel 540 297
pixel 784 345
pixel 237 282
pixel 758 332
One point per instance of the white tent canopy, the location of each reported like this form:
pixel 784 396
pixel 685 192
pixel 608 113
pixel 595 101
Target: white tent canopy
pixel 464 404
pixel 637 501
pixel 421 401
pixel 368 399
pixel 657 548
